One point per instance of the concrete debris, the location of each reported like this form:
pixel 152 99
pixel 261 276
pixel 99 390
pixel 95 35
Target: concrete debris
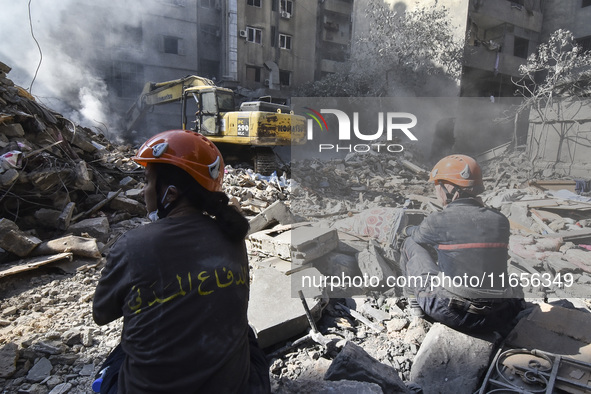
pixel 442 364
pixel 68 193
pixel 276 213
pixel 272 290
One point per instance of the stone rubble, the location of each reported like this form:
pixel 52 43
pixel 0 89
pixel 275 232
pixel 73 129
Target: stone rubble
pixel 60 180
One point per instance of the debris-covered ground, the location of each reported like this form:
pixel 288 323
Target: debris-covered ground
pixel 67 193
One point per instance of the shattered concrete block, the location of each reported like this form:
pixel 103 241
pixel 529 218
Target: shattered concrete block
pixel 14 240
pixel 83 177
pixel 301 245
pixel 337 264
pixel 12 130
pixel 353 363
pixel 47 217
pixel 63 221
pixel 133 207
pixel 8 358
pixel 40 371
pixel 309 243
pixel 9 177
pixel 5 68
pixel 127 182
pixel 78 139
pixel 272 290
pixel 135 194
pixel 449 361
pixel 520 213
pixel 372 264
pixel 328 387
pixel 276 213
pixel 46 179
pixel 96 227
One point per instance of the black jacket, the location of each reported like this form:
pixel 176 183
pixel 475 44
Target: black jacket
pixel 471 241
pixel 182 289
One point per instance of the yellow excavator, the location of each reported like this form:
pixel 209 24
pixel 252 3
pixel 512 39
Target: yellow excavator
pixel 249 134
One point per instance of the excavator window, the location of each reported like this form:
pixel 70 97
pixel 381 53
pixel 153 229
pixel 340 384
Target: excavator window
pixel 209 112
pixel 225 101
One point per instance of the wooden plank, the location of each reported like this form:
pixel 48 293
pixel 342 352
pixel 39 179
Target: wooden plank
pixel 33 263
pixel 576 236
pixel 554 184
pixel 538 218
pixel 413 167
pixel 547 216
pixel 538 203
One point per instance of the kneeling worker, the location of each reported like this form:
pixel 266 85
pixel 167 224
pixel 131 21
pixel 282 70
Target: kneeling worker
pixel 181 283
pixel 452 250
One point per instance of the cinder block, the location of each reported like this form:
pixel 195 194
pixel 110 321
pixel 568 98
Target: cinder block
pixel 309 243
pixel 301 245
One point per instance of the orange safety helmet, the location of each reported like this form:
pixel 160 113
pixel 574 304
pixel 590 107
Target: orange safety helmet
pixel 188 150
pixel 460 170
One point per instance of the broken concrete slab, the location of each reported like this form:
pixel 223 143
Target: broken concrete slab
pixel 9 177
pixel 47 217
pixel 65 217
pixel 353 363
pixel 12 130
pixel 328 387
pixel 337 264
pixel 276 213
pixel 95 227
pixel 301 244
pixel 309 243
pixel 8 358
pixel 272 290
pixel 449 361
pixel 79 246
pixel 556 330
pixel 40 371
pixel 14 240
pixel 129 205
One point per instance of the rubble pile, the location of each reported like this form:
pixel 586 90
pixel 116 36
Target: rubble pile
pixel 67 193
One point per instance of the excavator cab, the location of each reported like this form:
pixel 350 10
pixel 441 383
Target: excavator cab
pixel 208 105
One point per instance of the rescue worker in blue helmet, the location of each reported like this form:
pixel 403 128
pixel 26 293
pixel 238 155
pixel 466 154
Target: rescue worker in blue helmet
pixel 181 283
pixel 453 249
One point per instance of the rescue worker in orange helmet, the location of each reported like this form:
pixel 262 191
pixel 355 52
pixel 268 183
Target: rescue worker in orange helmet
pixel 466 241
pixel 181 282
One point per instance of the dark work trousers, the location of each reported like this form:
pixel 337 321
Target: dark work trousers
pixel 445 307
pixel 259 381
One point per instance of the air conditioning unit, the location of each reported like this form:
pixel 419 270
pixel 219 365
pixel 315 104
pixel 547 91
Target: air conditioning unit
pixel 243 33
pixel 267 82
pixel 285 14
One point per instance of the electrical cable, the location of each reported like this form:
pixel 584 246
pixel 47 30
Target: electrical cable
pixel 38 47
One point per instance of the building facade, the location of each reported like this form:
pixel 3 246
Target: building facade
pixel 256 47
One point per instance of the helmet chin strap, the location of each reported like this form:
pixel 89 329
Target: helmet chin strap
pixel 449 195
pixel 164 209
